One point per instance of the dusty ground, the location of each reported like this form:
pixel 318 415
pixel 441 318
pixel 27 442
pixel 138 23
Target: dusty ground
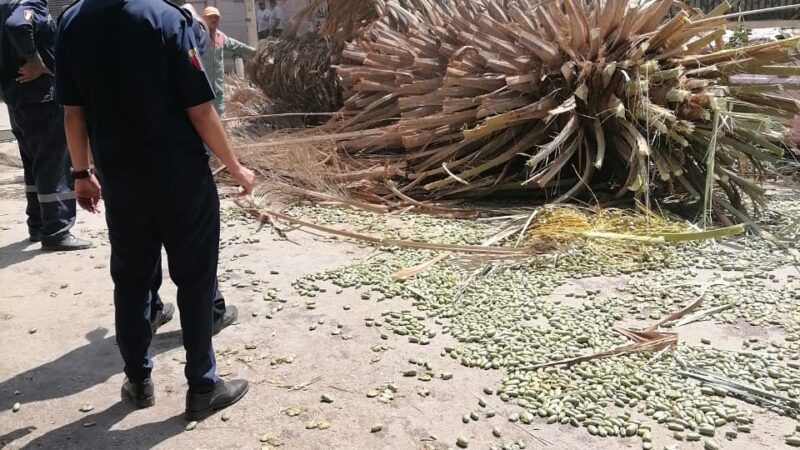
pixel 58 353
pixel 71 358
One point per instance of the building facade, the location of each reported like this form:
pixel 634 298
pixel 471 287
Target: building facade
pixel 750 5
pixel 232 21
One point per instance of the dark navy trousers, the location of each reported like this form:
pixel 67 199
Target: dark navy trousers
pixel 157 304
pixel 39 129
pixel 189 232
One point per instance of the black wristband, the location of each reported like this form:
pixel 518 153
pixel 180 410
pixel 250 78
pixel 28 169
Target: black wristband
pixel 81 174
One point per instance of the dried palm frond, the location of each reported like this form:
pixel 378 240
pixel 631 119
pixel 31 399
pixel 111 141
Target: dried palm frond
pixel 542 98
pixel 269 215
pixel 298 73
pixel 250 113
pixel 648 339
pixel 344 20
pixel 741 389
pixel 289 171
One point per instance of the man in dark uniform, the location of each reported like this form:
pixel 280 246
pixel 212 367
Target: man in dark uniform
pixel 27 36
pixel 132 84
pixel 162 313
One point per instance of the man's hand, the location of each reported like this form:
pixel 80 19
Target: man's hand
pixel 246 179
pixel 87 192
pixel 32 70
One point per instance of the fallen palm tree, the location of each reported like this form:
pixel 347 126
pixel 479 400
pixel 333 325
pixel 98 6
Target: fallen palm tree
pixel 298 73
pixel 549 98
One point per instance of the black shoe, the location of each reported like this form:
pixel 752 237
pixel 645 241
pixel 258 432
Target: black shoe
pixel 162 316
pixel 200 406
pixel 35 237
pixel 140 394
pixel 230 316
pixel 67 243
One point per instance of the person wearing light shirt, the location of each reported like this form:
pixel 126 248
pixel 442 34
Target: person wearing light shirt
pixel 264 18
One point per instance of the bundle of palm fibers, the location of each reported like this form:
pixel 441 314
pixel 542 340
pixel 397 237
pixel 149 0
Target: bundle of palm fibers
pixel 345 19
pixel 298 73
pixel 248 112
pixel 782 81
pixel 243 99
pixel 292 168
pixel 521 95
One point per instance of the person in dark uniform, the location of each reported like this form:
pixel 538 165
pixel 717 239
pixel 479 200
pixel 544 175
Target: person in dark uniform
pixel 27 36
pixel 131 81
pixel 162 313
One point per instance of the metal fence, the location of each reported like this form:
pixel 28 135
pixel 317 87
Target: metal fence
pixel 749 5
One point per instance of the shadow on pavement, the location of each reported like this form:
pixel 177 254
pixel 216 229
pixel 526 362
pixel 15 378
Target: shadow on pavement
pixel 14 435
pixel 15 253
pixel 95 432
pixel 78 370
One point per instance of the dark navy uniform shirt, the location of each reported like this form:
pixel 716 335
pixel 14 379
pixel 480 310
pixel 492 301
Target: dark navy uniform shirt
pixel 26 29
pixel 200 37
pixel 133 66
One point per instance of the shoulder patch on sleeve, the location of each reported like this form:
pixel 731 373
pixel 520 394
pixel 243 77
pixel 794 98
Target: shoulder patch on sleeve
pixel 27 15
pixel 195 59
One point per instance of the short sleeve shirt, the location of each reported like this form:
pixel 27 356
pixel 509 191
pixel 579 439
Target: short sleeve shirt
pixel 134 66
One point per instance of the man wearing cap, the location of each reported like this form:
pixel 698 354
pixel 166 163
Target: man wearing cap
pixel 214 58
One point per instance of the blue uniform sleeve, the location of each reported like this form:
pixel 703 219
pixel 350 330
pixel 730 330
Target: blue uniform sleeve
pixel 19 28
pixel 66 87
pixel 191 83
pixel 200 37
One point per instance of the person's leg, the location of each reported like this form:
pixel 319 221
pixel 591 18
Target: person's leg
pixel 191 238
pixel 156 303
pixel 33 209
pixel 42 126
pixel 223 315
pixel 160 313
pixel 135 253
pixel 219 303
